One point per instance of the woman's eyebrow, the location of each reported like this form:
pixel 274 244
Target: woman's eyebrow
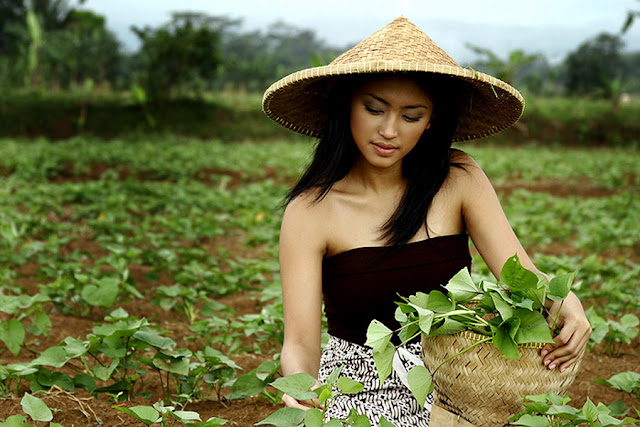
pixel 385 102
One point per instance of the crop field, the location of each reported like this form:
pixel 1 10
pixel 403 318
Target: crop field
pixel 145 274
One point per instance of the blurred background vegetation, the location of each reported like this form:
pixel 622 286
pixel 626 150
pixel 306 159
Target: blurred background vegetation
pixel 63 73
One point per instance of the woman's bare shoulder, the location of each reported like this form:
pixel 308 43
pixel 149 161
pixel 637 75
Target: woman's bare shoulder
pixel 463 159
pixel 308 204
pixel 465 171
pixel 308 216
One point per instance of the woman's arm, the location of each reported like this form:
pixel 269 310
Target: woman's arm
pixel 302 246
pixel 496 241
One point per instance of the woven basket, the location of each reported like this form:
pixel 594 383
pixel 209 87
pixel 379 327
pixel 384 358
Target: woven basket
pixel 484 387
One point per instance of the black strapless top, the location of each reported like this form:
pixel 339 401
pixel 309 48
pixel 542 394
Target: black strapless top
pixel 363 284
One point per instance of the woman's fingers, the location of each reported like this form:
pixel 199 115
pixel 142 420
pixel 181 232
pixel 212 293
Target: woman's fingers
pixel 294 403
pixel 567 347
pixel 300 404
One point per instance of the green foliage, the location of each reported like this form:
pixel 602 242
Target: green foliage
pixel 168 416
pixel 21 308
pixel 84 53
pixel 508 313
pixel 631 16
pixel 609 334
pixel 183 52
pixel 81 213
pixel 553 410
pixel 254 60
pixel 505 70
pixel 299 386
pixel 36 408
pixel 594 64
pixel 628 381
pixel 256 382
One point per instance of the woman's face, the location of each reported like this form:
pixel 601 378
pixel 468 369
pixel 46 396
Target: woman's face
pixel 388 116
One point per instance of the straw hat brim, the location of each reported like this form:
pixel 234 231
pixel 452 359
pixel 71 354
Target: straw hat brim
pixel 488 105
pixel 297 101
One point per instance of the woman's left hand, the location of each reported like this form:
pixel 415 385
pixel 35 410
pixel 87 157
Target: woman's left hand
pixel 570 343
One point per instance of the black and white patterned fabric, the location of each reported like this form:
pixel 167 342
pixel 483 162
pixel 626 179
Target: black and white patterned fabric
pixel 393 399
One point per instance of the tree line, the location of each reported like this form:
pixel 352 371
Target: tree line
pixel 59 45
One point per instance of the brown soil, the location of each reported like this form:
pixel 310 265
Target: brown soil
pixel 79 409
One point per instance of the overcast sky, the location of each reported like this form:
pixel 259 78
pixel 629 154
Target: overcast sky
pixel 551 27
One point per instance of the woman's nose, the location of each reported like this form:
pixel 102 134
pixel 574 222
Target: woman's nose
pixel 388 128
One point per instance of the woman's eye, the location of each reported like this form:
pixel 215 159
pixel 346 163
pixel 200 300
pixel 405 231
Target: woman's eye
pixel 372 110
pixel 412 119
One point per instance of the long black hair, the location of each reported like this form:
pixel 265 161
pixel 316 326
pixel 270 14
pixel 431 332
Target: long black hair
pixel 425 167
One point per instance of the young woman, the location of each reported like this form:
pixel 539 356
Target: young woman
pixel 387 206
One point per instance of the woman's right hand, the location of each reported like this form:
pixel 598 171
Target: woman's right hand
pixel 290 402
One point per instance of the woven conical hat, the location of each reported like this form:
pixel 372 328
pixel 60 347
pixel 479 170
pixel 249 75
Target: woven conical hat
pixel 297 101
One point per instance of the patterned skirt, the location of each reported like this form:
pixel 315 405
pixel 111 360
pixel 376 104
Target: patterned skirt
pixel 393 399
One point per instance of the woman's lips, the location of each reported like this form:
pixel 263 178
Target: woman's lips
pixel 384 150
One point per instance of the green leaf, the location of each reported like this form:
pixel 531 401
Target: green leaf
pixel 85 382
pixel 590 411
pixel 285 417
pixel 449 326
pixel 439 302
pixel 186 415
pixel 537 295
pixel 625 381
pixel 408 331
pixel 216 356
pixel 36 408
pixel 461 287
pixel 12 333
pixel 325 394
pixel 42 323
pixel 333 376
pixel 53 356
pixel 361 421
pixel 420 383
pixel 349 386
pixel 103 293
pixel 154 339
pixel 15 421
pixel 74 347
pixel 503 307
pixel 629 321
pixel 296 386
pixel 146 414
pixel 400 316
pixel 180 366
pixel 564 411
pixel 420 299
pixel 103 373
pixel 384 422
pixel 517 278
pixel 617 408
pixel 560 286
pixel 533 327
pixel 531 421
pixel 313 418
pixel 211 422
pixel 384 361
pixel 539 407
pixel 425 318
pixel 503 338
pixel 48 379
pixel 378 335
pixel 607 420
pixel 247 385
